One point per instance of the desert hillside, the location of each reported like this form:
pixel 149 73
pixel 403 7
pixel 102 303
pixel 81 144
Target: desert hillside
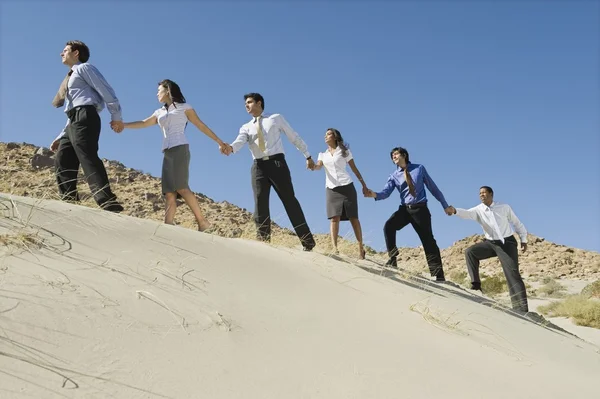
pixel 26 170
pixel 98 305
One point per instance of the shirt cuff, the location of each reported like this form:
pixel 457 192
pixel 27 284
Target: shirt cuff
pixel 306 154
pixel 116 117
pixel 523 240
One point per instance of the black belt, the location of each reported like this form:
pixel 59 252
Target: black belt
pixel 417 205
pixel 71 113
pixel 276 157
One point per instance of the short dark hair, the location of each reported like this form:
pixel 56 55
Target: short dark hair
pixel 488 189
pixel 174 91
pixel 402 152
pixel 257 98
pixel 84 51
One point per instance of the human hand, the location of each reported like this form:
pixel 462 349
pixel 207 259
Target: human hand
pixel 371 194
pixel 225 148
pixel 450 210
pixel 365 191
pixel 117 126
pixel 54 145
pixel 523 246
pixel 310 164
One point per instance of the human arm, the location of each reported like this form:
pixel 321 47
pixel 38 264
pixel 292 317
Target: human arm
pixel 293 137
pixel 54 144
pixel 94 78
pixel 389 187
pixel 519 227
pixel 433 188
pixel 240 140
pixel 193 117
pixel 467 213
pixel 149 121
pixel 352 165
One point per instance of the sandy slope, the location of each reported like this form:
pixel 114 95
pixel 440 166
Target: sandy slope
pixel 114 306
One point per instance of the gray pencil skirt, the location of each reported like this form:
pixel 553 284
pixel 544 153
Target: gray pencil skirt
pixel 342 201
pixel 176 168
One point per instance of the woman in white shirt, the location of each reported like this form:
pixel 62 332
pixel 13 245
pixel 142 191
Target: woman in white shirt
pixel 172 119
pixel 341 198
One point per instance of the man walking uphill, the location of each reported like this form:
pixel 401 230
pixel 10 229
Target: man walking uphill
pixel 84 92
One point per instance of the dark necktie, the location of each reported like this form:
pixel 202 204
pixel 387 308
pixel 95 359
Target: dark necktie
pixel 59 98
pixel 409 182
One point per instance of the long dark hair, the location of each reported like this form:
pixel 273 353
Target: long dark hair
pixel 174 91
pixel 339 140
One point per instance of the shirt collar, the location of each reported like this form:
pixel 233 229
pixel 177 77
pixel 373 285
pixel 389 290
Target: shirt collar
pixel 407 166
pixel 263 115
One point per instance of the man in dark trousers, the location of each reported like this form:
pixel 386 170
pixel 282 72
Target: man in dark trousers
pixel 263 135
pixel 84 93
pixel 410 179
pixel 496 220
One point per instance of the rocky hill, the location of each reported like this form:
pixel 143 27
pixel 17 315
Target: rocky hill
pixel 27 170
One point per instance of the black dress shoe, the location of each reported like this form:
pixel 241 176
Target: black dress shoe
pixel 392 262
pixel 308 247
pixel 112 206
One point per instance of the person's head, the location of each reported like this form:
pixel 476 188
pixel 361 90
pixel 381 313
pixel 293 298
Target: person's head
pixel 169 92
pixel 255 103
pixel 75 51
pixel 400 156
pixel 486 195
pixel 334 138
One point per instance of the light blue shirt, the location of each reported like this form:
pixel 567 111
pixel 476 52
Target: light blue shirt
pixel 421 179
pixel 87 86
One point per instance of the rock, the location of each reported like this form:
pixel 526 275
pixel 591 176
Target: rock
pixel 44 152
pixel 12 146
pixel 39 161
pixel 150 196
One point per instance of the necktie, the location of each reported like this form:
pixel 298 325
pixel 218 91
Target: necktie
pixel 261 137
pixel 409 182
pixel 59 98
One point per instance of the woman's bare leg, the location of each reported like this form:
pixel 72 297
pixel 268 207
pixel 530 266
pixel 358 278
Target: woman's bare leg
pixel 190 199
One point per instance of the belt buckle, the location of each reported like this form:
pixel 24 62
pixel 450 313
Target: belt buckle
pixel 264 158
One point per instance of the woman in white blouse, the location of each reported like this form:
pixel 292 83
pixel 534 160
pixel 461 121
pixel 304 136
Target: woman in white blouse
pixel 341 198
pixel 172 119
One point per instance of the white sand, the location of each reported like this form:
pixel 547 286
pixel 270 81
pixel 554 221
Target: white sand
pixel 131 308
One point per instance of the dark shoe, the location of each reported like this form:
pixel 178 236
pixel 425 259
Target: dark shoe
pixel 112 206
pixel 476 286
pixel 392 262
pixel 307 247
pixel 439 277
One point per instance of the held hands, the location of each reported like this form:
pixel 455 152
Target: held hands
pixel 368 193
pixel 225 148
pixel 310 164
pixel 450 210
pixel 117 126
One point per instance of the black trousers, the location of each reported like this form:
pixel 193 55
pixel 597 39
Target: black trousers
pixel 79 146
pixel 275 173
pixel 420 219
pixel 508 254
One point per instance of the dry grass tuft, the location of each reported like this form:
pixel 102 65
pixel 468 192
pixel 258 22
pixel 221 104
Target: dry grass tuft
pixel 581 310
pixel 20 240
pixel 591 290
pixel 436 319
pixel 551 288
pixel 494 285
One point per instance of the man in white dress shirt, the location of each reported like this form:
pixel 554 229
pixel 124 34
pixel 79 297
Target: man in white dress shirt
pixel 496 220
pixel 263 135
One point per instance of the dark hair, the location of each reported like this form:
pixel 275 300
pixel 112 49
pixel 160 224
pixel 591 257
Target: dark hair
pixel 173 90
pixel 257 98
pixel 339 140
pixel 84 51
pixel 488 189
pixel 402 152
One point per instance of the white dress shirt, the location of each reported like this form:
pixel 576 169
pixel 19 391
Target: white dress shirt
pixel 272 126
pixel 336 172
pixel 172 123
pixel 496 220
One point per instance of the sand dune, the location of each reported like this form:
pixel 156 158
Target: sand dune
pixel 98 305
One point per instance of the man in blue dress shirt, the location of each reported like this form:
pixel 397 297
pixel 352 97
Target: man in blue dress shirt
pixel 410 179
pixel 84 92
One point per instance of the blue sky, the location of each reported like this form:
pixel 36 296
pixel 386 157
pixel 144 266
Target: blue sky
pixel 504 94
